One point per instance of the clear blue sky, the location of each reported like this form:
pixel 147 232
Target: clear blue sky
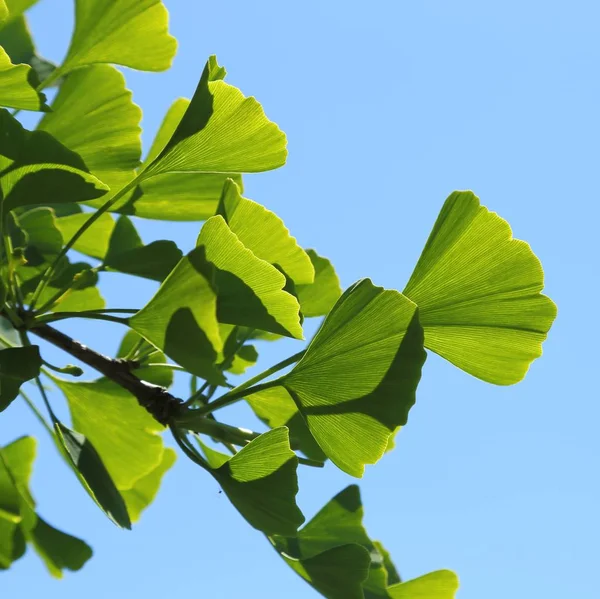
pixel 388 107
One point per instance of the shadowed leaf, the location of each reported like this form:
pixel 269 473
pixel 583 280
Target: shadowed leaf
pixel 18 83
pixel 17 365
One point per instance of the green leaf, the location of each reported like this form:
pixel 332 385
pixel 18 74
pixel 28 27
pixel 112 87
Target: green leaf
pixel 44 240
pixel 478 292
pixel 95 241
pixel 144 490
pixel 3 13
pixel 17 365
pixel 442 584
pixel 221 131
pixel 181 319
pixel 172 196
pixel 80 299
pixel 132 33
pixel 128 254
pixel 35 168
pixel 16 40
pixel 338 524
pixel 18 7
pixel 92 474
pixel 318 298
pixel 250 291
pixel 58 550
pixel 264 233
pixel 18 85
pixel 151 374
pixel 124 434
pixel 93 115
pixel 260 480
pixel 358 378
pixel 275 408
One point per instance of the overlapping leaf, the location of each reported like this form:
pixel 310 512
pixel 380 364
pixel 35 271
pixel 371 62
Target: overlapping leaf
pixel 35 168
pixel 132 33
pixel 478 292
pixel 260 480
pixel 442 584
pixel 319 297
pixel 93 115
pixel 358 378
pixel 264 233
pixel 20 523
pixel 18 83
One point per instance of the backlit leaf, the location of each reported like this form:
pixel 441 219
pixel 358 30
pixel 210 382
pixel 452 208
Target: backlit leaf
pixel 94 115
pixel 132 33
pixel 260 480
pixel 442 584
pixel 320 296
pixel 264 233
pixel 94 242
pixel 18 83
pixel 358 378
pixel 478 292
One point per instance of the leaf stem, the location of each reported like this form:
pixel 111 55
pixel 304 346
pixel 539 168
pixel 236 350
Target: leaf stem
pixel 250 386
pixel 90 315
pixel 37 413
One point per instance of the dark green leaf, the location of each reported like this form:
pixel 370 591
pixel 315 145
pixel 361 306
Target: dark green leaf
pixel 17 365
pixel 260 481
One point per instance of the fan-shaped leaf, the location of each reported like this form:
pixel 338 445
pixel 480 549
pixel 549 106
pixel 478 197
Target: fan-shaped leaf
pixel 95 241
pixel 260 481
pixel 358 378
pixel 442 584
pixel 264 233
pixel 221 131
pixel 320 296
pixel 132 33
pixel 93 115
pixel 478 292
pixel 18 83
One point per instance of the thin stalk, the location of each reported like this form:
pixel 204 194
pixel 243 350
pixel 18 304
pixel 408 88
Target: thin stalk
pixel 250 386
pixel 49 273
pixel 165 365
pixel 46 318
pixel 37 413
pixel 311 463
pixel 131 354
pixel 188 449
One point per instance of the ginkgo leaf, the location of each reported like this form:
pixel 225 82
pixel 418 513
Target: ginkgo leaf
pixel 132 33
pixel 58 550
pixel 358 378
pixel 250 291
pixel 192 197
pixel 92 473
pixel 260 480
pixel 144 490
pixel 3 13
pixel 264 233
pixel 478 292
pixel 95 241
pixel 18 7
pixel 17 365
pixel 181 319
pixel 442 584
pixel 18 85
pixel 124 434
pixel 44 240
pixel 338 524
pixel 16 40
pixel 35 169
pixel 93 115
pixel 221 131
pixel 275 408
pixel 77 300
pixel 317 298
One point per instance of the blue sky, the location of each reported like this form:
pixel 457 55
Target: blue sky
pixel 389 106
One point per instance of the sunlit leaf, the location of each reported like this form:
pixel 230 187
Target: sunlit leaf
pixel 264 233
pixel 132 33
pixel 94 115
pixel 17 365
pixel 80 299
pixel 94 242
pixel 144 490
pixel 478 292
pixel 221 131
pixel 442 584
pixel 35 168
pixel 260 480
pixel 317 298
pixel 358 378
pixel 18 83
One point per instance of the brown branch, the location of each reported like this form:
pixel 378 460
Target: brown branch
pixel 157 400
